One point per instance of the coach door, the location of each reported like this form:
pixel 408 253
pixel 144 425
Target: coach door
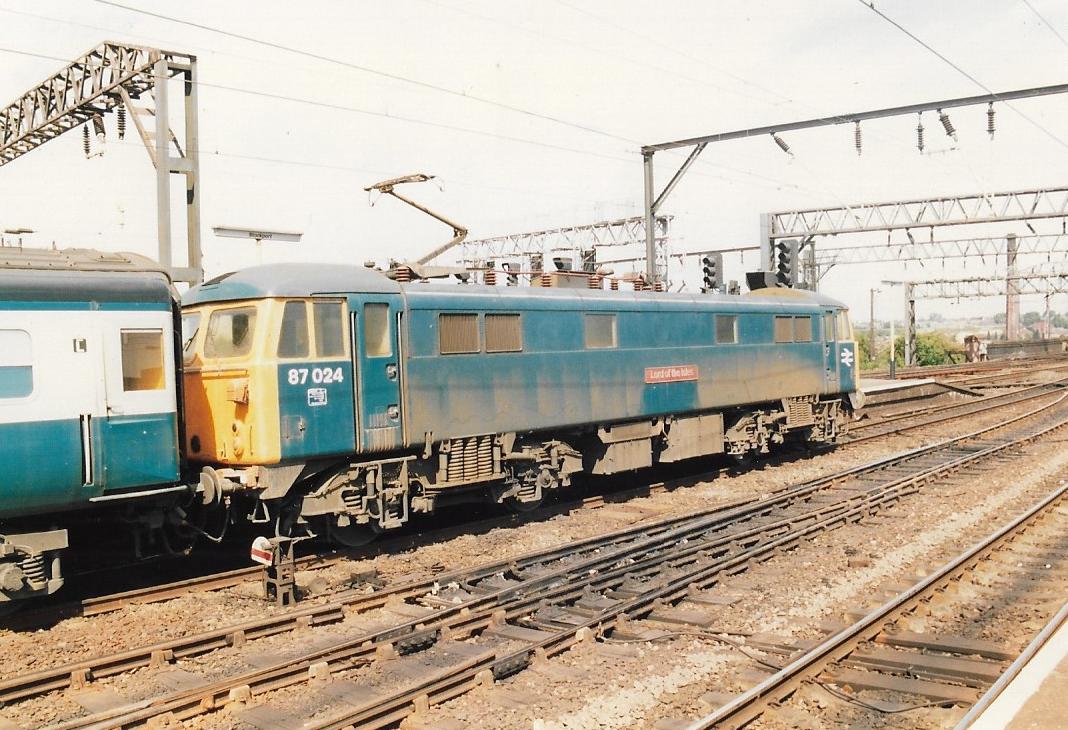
pixel 137 439
pixel 830 352
pixel 378 400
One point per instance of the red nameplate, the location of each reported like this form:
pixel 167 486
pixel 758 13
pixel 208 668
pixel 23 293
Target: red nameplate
pixel 671 374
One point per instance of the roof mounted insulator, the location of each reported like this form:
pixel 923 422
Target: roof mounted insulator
pixel 782 144
pixel 947 124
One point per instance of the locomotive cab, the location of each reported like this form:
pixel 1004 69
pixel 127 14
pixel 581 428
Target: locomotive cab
pixel 268 380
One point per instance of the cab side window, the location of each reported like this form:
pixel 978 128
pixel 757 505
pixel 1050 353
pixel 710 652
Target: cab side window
pixel 376 339
pixel 329 332
pixel 16 364
pixel 293 341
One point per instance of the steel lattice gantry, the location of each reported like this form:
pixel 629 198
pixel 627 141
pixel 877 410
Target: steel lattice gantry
pixel 1017 205
pixel 1051 245
pixel 110 75
pixel 1026 283
pixel 573 242
pixel 1010 285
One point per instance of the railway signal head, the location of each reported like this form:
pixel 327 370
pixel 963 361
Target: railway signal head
pixel 786 262
pixel 712 272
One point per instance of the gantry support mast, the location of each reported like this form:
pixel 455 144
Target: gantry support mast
pixel 107 78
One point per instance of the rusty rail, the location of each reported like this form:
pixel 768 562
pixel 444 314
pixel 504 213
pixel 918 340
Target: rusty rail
pixel 750 704
pixel 707 541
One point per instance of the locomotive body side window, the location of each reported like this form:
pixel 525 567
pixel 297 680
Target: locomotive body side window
pixel 726 329
pixel 376 340
pixel 458 334
pixel 293 340
pixel 504 333
pixel 784 329
pixel 16 364
pixel 802 329
pixel 828 327
pixel 230 332
pixel 600 331
pixel 329 330
pixel 142 360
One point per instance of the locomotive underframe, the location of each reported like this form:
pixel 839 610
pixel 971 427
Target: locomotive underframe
pixel 519 469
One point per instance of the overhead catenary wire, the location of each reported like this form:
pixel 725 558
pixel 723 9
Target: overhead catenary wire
pixel 871 6
pixel 369 70
pixel 1046 22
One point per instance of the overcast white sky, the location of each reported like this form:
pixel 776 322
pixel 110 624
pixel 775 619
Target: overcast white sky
pixel 617 74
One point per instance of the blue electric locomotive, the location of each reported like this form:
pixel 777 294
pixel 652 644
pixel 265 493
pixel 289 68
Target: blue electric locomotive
pixel 348 401
pixel 88 402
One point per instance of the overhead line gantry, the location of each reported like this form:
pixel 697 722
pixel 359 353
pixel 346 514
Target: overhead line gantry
pixel 116 76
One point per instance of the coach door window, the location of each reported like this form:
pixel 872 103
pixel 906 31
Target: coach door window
pixel 230 332
pixel 329 334
pixel 16 364
pixel 293 341
pixel 142 360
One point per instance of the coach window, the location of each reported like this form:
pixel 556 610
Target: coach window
pixel 504 333
pixel 458 334
pixel 802 329
pixel 329 333
pixel 142 360
pixel 600 330
pixel 784 329
pixel 726 329
pixel 230 332
pixel 828 327
pixel 16 364
pixel 376 340
pixel 293 341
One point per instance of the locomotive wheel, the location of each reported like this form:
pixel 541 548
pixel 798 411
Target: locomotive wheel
pixel 352 536
pixel 515 506
pixel 742 462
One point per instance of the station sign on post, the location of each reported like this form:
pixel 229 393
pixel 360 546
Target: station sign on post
pixel 259 235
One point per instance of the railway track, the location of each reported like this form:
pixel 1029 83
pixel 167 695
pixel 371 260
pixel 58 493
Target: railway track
pixel 538 605
pixel 907 421
pixel 943 679
pixel 860 432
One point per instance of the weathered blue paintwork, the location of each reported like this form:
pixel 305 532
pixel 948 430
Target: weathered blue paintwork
pixel 42 467
pixel 315 405
pixel 555 381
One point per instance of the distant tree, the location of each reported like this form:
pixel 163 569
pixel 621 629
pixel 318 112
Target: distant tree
pixel 1030 318
pixel 936 317
pixel 999 318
